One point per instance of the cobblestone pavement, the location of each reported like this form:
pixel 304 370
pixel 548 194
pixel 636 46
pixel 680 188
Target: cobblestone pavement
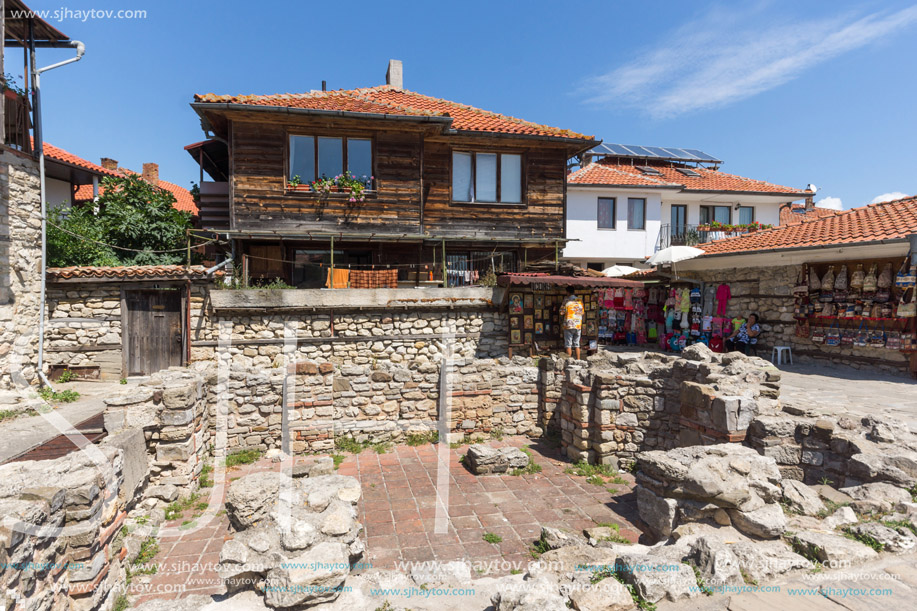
pixel 398 512
pixel 839 390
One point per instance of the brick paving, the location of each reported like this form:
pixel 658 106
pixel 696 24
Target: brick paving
pixel 398 512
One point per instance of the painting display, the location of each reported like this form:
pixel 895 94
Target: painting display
pixel 535 317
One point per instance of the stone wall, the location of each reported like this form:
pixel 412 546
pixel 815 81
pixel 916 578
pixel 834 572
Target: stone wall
pixel 83 329
pixel 622 404
pixel 769 291
pixel 843 451
pixel 63 516
pixel 20 276
pixel 171 409
pixel 377 402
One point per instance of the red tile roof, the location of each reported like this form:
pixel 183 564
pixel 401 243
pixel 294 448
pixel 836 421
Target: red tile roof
pixel 59 154
pixel 620 174
pixel 387 100
pixel 133 272
pixel 793 214
pixel 183 199
pixel 886 221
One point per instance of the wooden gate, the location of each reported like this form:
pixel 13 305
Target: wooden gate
pixel 152 331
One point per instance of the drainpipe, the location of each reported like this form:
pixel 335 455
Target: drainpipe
pixel 39 148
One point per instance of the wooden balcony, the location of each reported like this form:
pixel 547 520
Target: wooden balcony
pixel 17 121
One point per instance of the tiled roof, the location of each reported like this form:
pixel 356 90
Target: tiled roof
pixel 612 174
pixel 388 100
pixel 183 199
pixel 130 272
pixel 59 154
pixel 886 221
pixel 793 214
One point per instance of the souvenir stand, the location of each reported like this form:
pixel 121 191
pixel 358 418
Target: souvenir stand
pixel 533 305
pixel 866 304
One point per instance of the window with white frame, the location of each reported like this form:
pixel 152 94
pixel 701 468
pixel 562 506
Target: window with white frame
pixel 486 177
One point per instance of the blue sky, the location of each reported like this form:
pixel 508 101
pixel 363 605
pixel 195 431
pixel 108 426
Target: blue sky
pixel 795 93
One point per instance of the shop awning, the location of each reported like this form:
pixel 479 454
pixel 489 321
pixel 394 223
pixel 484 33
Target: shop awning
pixel 582 281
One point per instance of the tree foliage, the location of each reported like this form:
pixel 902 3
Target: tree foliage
pixel 130 214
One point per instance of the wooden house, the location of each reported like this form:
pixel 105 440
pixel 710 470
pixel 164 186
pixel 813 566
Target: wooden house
pixel 439 182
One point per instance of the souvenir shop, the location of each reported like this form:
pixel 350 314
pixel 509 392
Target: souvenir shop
pixel 533 305
pixel 669 315
pixel 864 304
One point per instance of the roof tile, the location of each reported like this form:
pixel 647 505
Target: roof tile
pixel 130 272
pixel 389 100
pixel 885 221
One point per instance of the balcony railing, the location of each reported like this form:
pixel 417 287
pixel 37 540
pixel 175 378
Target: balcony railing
pixel 691 235
pixel 17 121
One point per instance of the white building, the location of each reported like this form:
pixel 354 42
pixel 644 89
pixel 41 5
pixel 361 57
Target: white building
pixel 624 203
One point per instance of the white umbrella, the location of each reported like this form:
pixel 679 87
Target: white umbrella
pixel 674 254
pixel 616 271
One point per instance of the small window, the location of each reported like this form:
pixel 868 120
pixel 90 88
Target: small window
pixel 487 177
pixel 649 170
pixel 606 213
pixel 636 213
pixel 746 215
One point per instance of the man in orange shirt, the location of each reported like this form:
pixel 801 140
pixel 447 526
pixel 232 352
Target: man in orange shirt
pixel 573 322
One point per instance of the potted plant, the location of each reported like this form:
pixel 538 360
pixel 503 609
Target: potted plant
pixel 296 184
pixel 354 187
pixel 323 185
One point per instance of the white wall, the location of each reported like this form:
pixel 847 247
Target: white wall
pixel 618 245
pixel 57 192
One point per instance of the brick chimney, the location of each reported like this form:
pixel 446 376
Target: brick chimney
pixel 810 203
pixel 394 76
pixel 110 164
pixel 151 173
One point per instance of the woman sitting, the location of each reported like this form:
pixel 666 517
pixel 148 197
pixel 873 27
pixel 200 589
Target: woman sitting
pixel 745 335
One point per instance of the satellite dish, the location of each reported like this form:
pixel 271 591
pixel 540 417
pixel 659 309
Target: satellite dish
pixel 811 187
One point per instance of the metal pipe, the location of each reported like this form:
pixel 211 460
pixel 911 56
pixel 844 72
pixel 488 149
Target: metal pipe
pixel 218 266
pixel 332 262
pixel 39 148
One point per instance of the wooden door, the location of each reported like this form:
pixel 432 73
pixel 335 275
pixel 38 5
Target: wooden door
pixel 153 331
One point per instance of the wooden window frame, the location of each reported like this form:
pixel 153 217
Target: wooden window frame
pixel 614 213
pixel 315 135
pixel 523 165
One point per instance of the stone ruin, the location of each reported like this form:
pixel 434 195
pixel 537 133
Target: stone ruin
pixel 730 487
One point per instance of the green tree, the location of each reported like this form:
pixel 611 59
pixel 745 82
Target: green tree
pixel 130 214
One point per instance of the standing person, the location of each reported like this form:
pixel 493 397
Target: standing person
pixel 573 322
pixel 745 335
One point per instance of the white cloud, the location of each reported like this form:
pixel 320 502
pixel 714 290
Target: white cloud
pixel 887 197
pixel 830 202
pixel 725 57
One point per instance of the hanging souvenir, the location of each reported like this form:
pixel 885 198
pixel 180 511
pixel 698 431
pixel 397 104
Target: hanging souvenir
pixel 833 336
pixel 802 286
pixel 877 338
pixel 848 336
pixel 857 277
pixel 802 328
pixel 840 282
pixel 908 309
pixel 901 278
pixel 870 282
pixel 814 282
pixel 862 336
pixel 818 335
pixel 827 281
pixel 893 341
pixel 885 278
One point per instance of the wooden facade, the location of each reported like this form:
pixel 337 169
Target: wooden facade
pixel 409 216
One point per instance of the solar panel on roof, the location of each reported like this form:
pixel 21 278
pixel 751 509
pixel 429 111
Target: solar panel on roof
pixel 657 151
pixel 639 150
pixel 617 149
pixel 681 154
pixel 702 155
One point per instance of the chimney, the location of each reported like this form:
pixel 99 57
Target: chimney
pixel 394 75
pixel 110 164
pixel 151 173
pixel 810 203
